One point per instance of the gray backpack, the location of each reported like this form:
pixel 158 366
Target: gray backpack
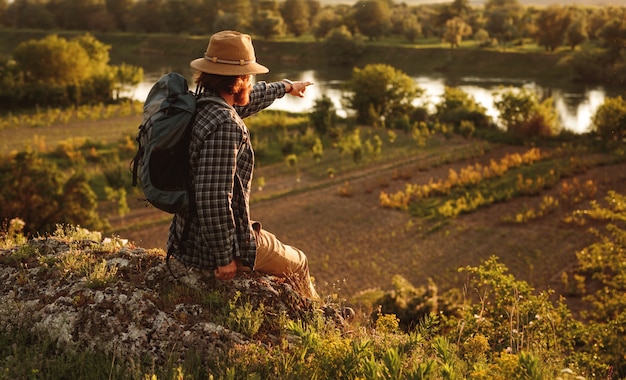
pixel 162 161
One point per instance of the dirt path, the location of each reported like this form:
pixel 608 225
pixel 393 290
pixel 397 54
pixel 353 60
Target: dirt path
pixel 354 244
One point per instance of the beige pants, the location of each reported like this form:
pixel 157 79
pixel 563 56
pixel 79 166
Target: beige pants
pixel 278 259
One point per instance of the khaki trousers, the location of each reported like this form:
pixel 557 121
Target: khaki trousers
pixel 278 259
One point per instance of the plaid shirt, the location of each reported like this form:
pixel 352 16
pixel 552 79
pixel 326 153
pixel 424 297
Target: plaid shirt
pixel 222 162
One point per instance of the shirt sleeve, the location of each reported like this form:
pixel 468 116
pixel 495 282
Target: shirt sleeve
pixel 214 186
pixel 263 94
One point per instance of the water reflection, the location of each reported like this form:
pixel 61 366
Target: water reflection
pixel 575 106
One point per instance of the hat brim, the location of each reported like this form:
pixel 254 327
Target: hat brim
pixel 210 67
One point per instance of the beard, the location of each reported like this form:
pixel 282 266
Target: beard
pixel 242 97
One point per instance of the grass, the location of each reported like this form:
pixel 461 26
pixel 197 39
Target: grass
pixel 310 347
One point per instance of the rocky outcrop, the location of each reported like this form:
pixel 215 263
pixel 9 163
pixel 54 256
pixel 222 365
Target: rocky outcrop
pixel 111 296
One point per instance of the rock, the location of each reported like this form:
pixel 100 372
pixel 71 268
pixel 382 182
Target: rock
pixel 125 300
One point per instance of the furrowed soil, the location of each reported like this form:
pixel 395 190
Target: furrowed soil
pixel 353 244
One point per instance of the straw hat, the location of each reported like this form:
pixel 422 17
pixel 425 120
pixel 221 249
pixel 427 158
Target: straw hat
pixel 229 53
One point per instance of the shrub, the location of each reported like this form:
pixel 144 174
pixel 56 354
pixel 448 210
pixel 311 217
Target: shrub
pixel 523 115
pixel 610 119
pixel 456 107
pixel 380 92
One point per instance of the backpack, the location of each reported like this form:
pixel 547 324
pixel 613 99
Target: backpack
pixel 162 161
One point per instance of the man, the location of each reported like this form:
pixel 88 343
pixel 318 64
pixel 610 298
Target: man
pixel 221 236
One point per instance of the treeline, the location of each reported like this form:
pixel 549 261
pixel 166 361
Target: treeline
pixel 55 71
pixel 601 31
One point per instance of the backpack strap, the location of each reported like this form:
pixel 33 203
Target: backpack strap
pixel 180 242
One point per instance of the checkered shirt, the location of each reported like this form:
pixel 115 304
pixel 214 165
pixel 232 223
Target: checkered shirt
pixel 222 163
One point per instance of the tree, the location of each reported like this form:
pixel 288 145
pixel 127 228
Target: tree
pixel 325 21
pixel 461 7
pixel 455 30
pixel 78 203
pixel 552 25
pixel 178 11
pixel 613 36
pixel 119 10
pixel 230 20
pixel 27 14
pixel 381 93
pixel 33 190
pixel 66 63
pixel 457 106
pixel 576 33
pixel 126 77
pixel 610 119
pixel 76 71
pixel 411 28
pixel 373 18
pixel 148 16
pixel 597 17
pixel 268 24
pixel 324 115
pixel 503 17
pixel 97 52
pixel 522 114
pixel 426 16
pixel 342 47
pixel 83 15
pixel 296 16
pixel 241 8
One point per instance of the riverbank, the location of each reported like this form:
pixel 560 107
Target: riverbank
pixel 426 56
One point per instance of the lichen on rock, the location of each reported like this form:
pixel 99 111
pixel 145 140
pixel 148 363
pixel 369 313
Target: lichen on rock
pixel 114 297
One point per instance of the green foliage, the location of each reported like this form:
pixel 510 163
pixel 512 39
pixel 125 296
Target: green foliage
pixel 323 117
pixel 457 107
pixel 381 93
pixel 352 144
pixel 67 62
pixel 268 24
pixel 504 330
pixel 552 25
pixel 372 18
pixel 455 30
pixel 342 47
pixel 610 120
pixel 76 71
pixel 63 116
pixel 410 304
pixel 297 14
pixel 244 317
pixel 603 265
pixel 512 316
pixel 79 203
pixel 522 114
pixel 35 191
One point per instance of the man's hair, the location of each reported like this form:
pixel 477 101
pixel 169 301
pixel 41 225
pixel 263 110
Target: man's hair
pixel 221 83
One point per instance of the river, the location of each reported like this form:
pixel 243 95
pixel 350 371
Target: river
pixel 575 104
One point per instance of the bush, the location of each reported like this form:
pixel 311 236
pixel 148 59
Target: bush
pixel 456 107
pixel 523 115
pixel 381 93
pixel 610 119
pixel 34 190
